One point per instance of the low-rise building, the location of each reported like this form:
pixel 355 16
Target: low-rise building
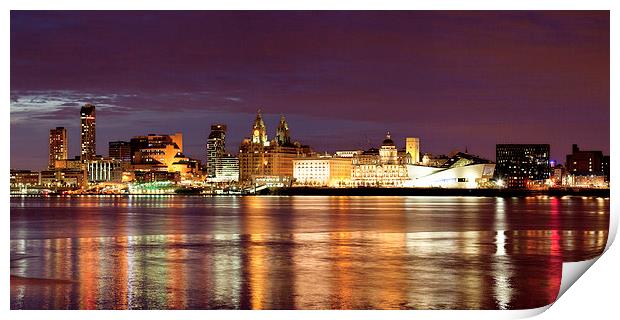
pixel 461 171
pixel 64 178
pixel 104 170
pixel 24 178
pixel 322 171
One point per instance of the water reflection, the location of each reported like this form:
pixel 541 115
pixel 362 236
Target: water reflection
pixel 298 252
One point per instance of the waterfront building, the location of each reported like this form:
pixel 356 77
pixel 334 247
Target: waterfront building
pixel 322 171
pixel 64 178
pixel 558 176
pixel 24 178
pixel 586 181
pixel 520 165
pixel 104 170
pixel 88 138
pixel 148 176
pixel 120 150
pixel 227 169
pixel 269 160
pixel 412 147
pixel 158 152
pixel 605 167
pixel 379 167
pixel 188 168
pixel 584 163
pixel 461 170
pixel 58 146
pixel 155 151
pixel 216 147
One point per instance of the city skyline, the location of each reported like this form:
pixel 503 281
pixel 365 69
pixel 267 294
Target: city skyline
pixel 274 137
pixel 453 73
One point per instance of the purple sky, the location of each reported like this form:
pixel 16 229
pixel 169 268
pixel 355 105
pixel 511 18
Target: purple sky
pixel 454 79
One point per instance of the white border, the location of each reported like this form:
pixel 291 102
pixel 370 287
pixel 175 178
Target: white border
pixel 597 296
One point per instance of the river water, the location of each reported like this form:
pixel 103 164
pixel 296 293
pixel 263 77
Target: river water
pixel 300 252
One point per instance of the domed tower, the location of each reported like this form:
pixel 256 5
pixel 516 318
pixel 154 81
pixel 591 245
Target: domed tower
pixel 259 132
pixel 388 152
pixel 282 134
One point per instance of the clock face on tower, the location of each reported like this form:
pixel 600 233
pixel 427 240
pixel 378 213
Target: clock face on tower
pixel 256 132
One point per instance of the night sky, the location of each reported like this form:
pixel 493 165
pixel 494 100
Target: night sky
pixel 455 79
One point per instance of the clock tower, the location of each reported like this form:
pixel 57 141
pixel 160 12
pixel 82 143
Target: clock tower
pixel 259 132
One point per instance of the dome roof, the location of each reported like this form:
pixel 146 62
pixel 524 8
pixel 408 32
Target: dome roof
pixel 388 140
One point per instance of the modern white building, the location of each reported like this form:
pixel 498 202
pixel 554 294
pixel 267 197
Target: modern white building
pixel 104 170
pixel 226 169
pixel 459 171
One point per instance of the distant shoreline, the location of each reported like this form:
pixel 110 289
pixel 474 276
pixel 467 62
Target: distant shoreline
pixel 371 191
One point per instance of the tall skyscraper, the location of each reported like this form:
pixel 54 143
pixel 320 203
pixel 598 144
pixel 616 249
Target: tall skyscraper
pixel 88 148
pixel 58 146
pixel 412 147
pixel 216 148
pixel 517 164
pixel 120 150
pixel 282 133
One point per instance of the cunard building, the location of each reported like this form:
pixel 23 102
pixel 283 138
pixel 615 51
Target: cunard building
pixel 264 162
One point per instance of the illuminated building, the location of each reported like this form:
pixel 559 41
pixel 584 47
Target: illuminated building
pixel 74 163
pixel 268 161
pixel 379 167
pixel 586 181
pixel 104 170
pixel 587 169
pixel 155 176
pixel 155 151
pixel 322 171
pixel 558 176
pixel 431 160
pixel 58 146
pixel 412 147
pixel 227 168
pixel 518 165
pixel 162 153
pixel 282 133
pixel 190 169
pixel 259 131
pixel 348 153
pixel 605 167
pixel 66 178
pixel 582 163
pixel 462 170
pixel 216 147
pixel 88 138
pixel 120 150
pixel 22 178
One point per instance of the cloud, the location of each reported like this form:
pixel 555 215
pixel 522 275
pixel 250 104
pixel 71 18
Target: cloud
pixel 58 104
